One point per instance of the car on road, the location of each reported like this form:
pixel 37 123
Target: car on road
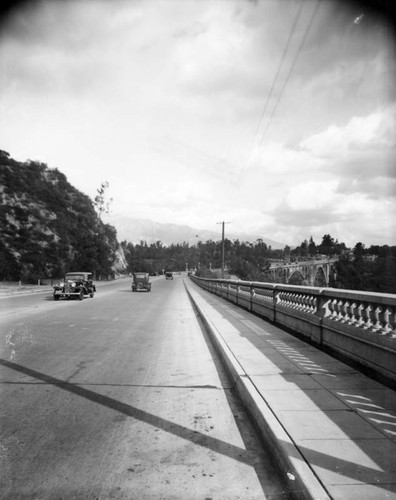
pixel 169 275
pixel 141 281
pixel 75 285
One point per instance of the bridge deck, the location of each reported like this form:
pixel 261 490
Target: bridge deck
pixel 332 429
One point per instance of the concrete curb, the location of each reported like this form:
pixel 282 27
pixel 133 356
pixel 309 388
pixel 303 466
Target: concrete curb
pixel 28 290
pixel 287 456
pixel 7 293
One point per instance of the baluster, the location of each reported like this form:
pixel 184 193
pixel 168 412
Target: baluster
pixel 360 321
pixel 341 311
pixel 386 324
pixel 368 323
pixel 338 305
pixel 346 317
pixel 377 325
pixel 352 317
pixel 335 310
pixel 307 303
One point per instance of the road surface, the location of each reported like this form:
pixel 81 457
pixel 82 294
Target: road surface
pixel 121 396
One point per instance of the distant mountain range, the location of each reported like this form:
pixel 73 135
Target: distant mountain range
pixel 137 230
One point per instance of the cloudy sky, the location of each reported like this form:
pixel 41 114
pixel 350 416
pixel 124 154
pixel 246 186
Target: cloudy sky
pixel 278 116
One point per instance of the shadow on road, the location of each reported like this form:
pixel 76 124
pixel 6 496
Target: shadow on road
pixel 195 437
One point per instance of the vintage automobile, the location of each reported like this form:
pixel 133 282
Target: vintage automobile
pixel 141 281
pixel 75 285
pixel 169 275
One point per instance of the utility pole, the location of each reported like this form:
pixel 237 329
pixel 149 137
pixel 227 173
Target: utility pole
pixel 222 247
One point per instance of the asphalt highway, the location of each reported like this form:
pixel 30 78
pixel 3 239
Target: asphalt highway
pixel 121 396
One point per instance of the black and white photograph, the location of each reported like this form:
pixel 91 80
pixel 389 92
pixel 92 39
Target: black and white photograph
pixel 198 250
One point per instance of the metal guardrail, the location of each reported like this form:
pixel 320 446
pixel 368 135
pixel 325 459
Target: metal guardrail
pixel 358 325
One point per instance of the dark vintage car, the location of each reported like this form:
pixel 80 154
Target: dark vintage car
pixel 169 275
pixel 75 285
pixel 141 281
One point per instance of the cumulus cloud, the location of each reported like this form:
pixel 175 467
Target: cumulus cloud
pixel 374 131
pixel 361 154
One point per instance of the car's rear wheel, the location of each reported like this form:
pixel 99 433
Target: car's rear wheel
pixel 56 297
pixel 91 295
pixel 81 296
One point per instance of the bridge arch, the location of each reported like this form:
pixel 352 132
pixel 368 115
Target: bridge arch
pixel 281 275
pixel 297 278
pixel 321 279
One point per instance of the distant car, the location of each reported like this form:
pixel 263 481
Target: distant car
pixel 141 281
pixel 75 285
pixel 169 275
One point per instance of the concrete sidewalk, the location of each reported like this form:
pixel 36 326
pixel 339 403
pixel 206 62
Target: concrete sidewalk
pixel 331 428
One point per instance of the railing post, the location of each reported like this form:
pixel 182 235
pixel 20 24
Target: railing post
pixel 321 312
pixel 252 294
pixel 276 301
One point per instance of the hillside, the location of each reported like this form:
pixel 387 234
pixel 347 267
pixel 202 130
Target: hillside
pixel 49 227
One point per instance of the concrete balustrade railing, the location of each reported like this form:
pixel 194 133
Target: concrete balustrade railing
pixel 357 326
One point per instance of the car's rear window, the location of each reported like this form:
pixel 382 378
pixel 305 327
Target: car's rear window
pixel 140 275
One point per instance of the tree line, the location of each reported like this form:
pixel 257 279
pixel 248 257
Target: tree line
pixel 359 268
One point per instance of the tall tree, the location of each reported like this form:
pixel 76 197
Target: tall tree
pixel 102 202
pixel 311 247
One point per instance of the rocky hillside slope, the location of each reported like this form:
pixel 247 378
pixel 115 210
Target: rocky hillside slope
pixel 48 227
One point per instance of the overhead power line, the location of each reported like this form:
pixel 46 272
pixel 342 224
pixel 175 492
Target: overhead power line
pixel 276 78
pixel 285 50
pixel 274 82
pixel 302 43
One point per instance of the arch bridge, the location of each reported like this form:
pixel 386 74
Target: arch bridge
pixel 310 272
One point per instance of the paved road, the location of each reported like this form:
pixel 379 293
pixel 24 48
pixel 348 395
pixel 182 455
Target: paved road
pixel 121 396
